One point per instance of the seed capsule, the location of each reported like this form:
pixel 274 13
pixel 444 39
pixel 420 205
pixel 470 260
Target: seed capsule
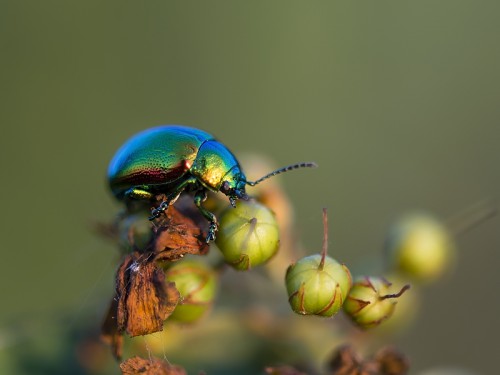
pixel 316 290
pixel 420 246
pixel 318 284
pixel 196 283
pixel 369 302
pixel 248 235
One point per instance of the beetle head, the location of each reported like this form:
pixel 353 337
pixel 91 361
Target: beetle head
pixel 234 185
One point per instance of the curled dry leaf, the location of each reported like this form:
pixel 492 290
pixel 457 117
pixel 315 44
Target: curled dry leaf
pixel 153 366
pixel 146 300
pixel 142 302
pixel 143 299
pixel 178 236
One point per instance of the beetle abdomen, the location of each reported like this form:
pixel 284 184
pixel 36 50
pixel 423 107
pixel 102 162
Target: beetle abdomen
pixel 155 156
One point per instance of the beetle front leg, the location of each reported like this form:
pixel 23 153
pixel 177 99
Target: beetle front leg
pixel 172 197
pixel 199 198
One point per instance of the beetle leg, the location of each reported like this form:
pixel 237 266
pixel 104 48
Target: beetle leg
pixel 199 198
pixel 140 194
pixel 156 212
pixel 172 197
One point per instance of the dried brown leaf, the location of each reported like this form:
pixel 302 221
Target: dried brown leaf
pixel 142 302
pixel 177 236
pixel 143 299
pixel 149 300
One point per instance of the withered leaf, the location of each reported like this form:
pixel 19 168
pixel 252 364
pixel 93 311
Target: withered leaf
pixel 143 299
pixel 142 302
pixel 177 236
pixel 149 300
pixel 153 366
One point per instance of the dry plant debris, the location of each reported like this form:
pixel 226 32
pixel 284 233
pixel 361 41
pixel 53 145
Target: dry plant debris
pixel 143 299
pixel 387 361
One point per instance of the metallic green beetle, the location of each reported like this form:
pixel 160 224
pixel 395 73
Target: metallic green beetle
pixel 170 159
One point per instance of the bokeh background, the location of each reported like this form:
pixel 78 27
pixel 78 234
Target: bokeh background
pixel 397 101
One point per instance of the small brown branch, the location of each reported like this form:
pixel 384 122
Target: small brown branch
pixel 397 295
pixel 325 241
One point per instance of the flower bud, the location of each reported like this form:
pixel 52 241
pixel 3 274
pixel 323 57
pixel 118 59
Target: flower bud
pixel 420 246
pixel 248 235
pixel 317 285
pixel 134 231
pixel 369 302
pixel 196 283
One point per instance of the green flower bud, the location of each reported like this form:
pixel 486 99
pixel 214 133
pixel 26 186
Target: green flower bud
pixel 318 284
pixel 135 232
pixel 420 246
pixel 196 283
pixel 248 235
pixel 369 302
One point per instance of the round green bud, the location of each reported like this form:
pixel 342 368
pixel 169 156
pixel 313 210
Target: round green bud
pixel 317 285
pixel 196 283
pixel 420 246
pixel 248 235
pixel 135 231
pixel 369 302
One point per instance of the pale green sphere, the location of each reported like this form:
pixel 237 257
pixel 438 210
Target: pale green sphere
pixel 420 246
pixel 135 231
pixel 315 291
pixel 367 303
pixel 197 284
pixel 248 234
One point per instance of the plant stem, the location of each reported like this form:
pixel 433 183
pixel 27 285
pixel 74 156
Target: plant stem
pixel 325 240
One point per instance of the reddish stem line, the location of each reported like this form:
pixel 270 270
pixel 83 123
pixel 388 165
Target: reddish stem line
pixel 325 240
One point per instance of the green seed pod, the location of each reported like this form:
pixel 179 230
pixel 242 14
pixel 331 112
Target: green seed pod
pixel 135 232
pixel 318 284
pixel 420 246
pixel 196 283
pixel 369 302
pixel 248 235
pixel 316 289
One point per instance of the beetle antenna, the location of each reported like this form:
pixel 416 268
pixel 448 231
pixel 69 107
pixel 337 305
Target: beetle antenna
pixel 284 169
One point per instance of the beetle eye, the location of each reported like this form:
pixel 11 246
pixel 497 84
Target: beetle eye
pixel 225 187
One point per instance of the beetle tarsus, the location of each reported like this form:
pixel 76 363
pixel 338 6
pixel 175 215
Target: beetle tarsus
pixel 232 201
pixel 211 232
pixel 156 212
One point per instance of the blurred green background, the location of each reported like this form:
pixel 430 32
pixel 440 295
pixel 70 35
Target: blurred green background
pixel 397 101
